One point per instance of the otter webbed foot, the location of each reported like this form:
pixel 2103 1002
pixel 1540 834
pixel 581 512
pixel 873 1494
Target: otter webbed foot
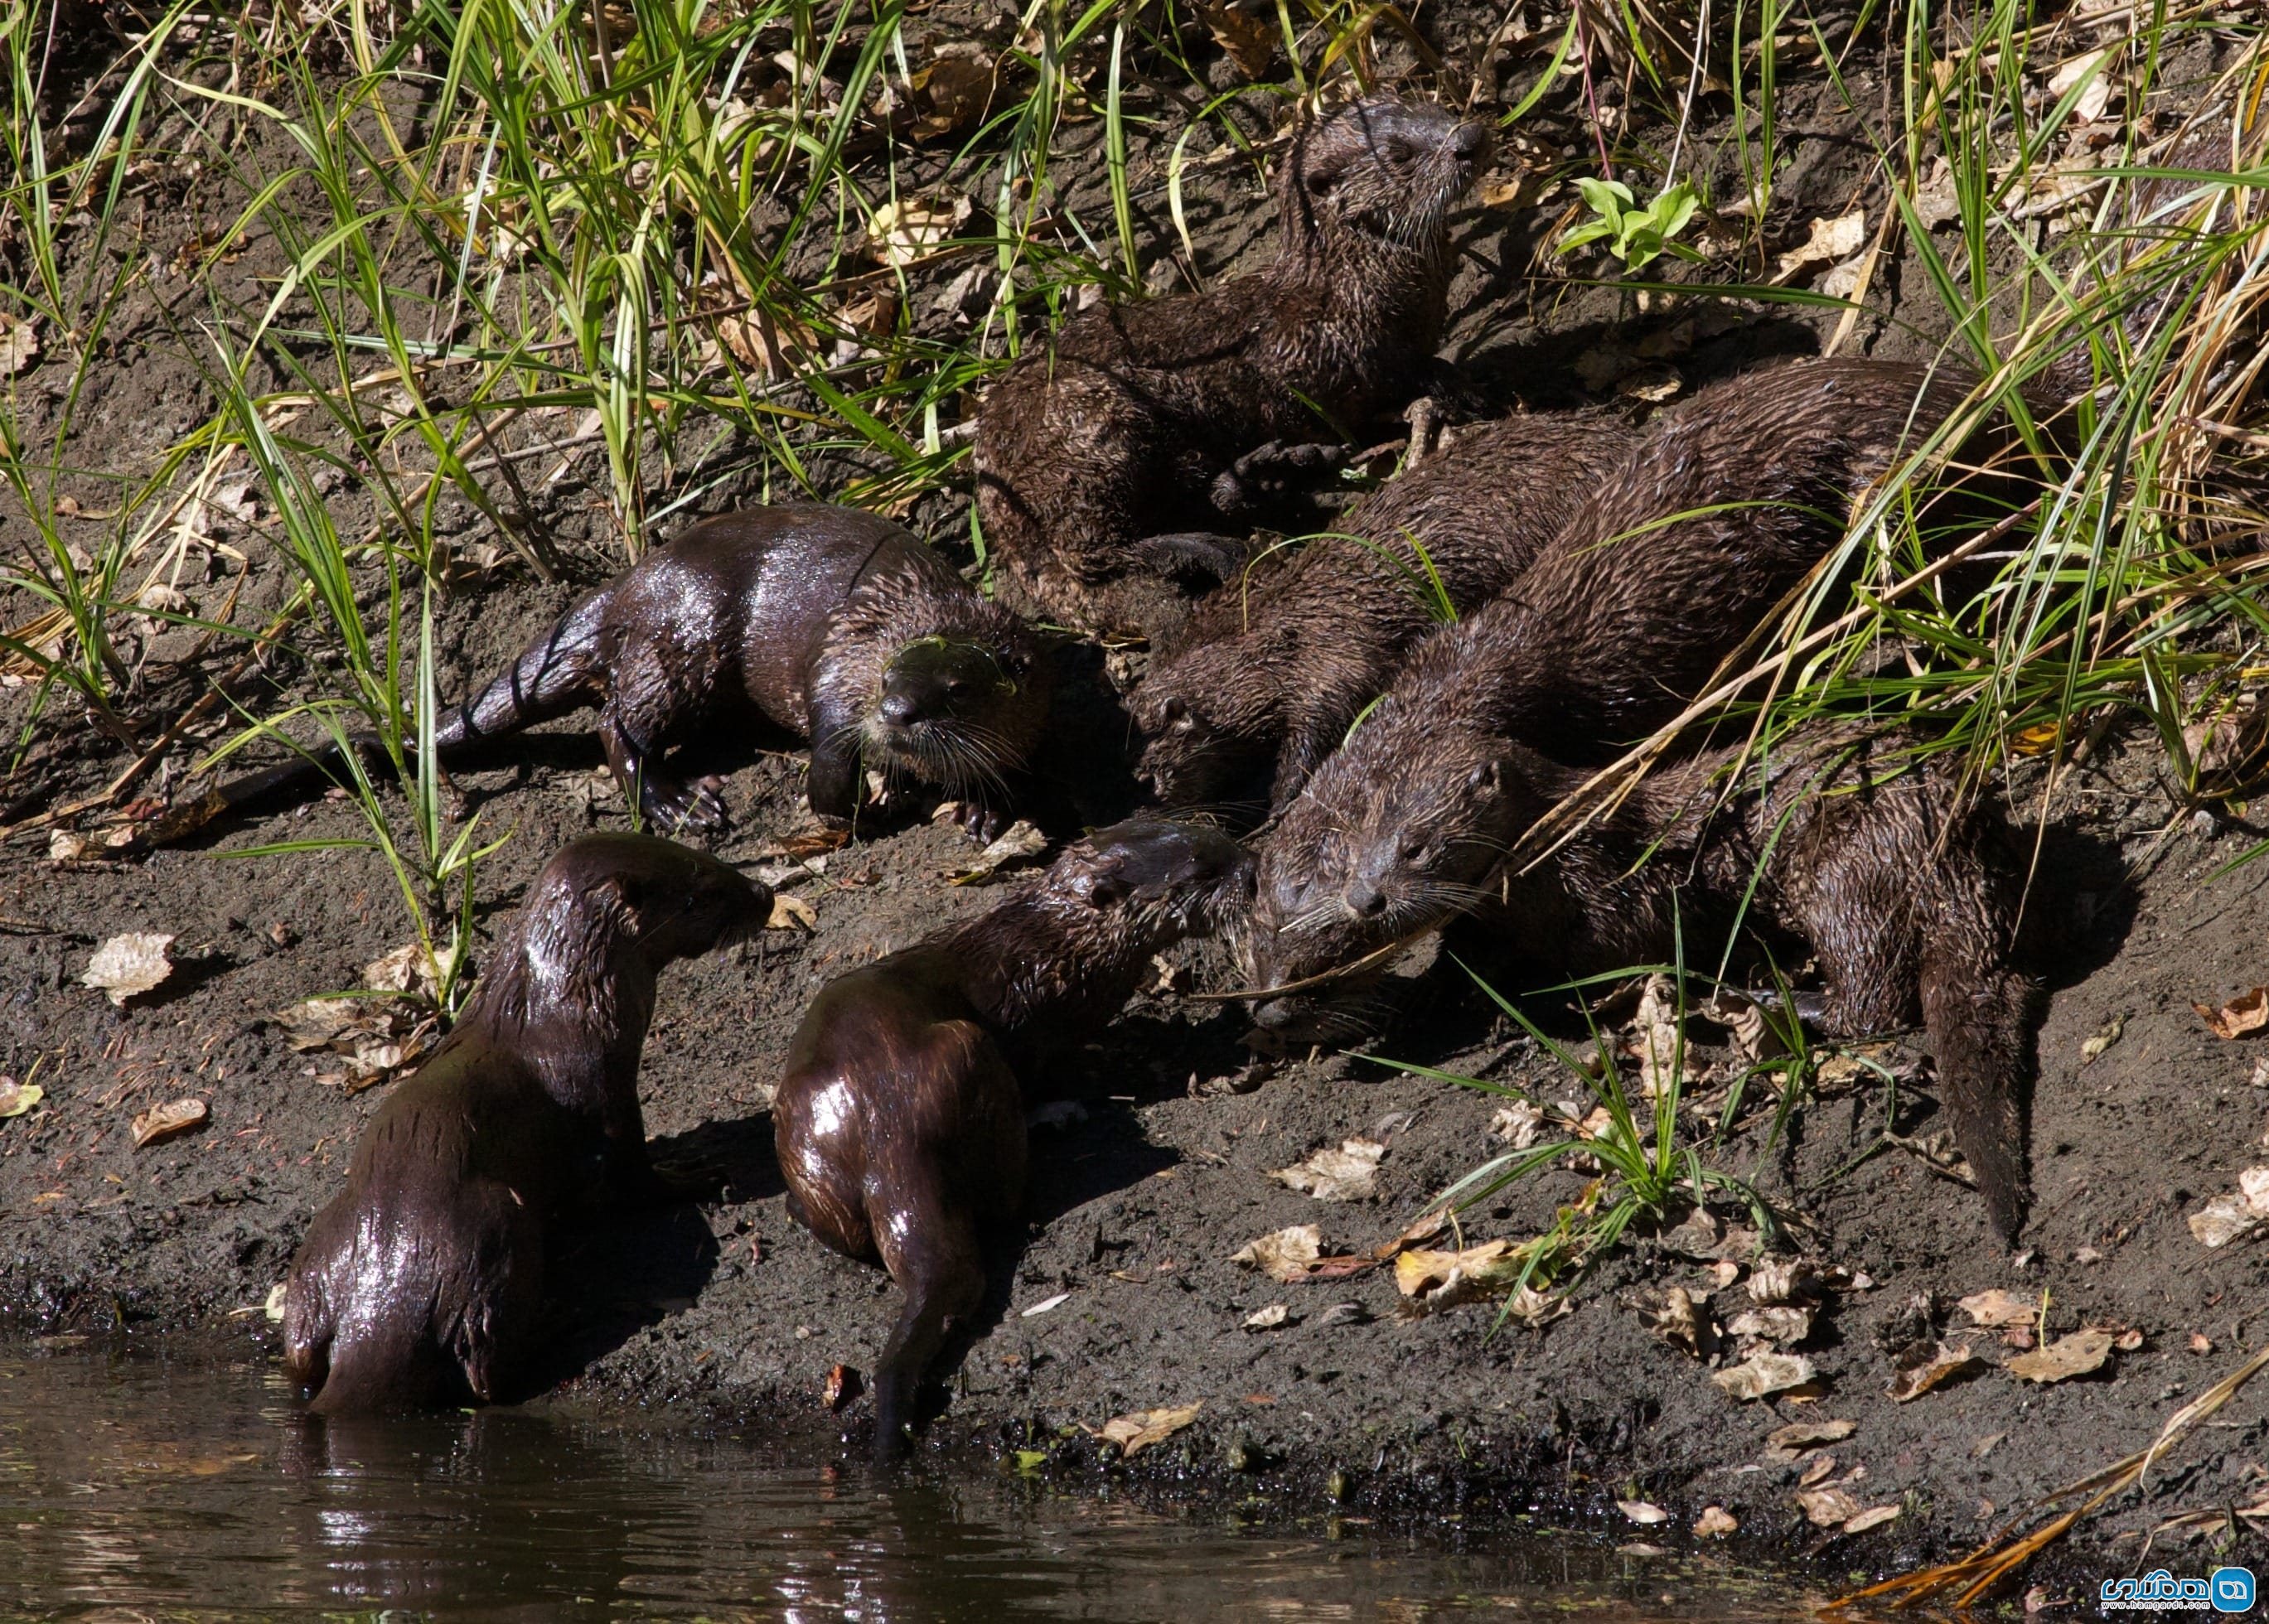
pixel 1272 471
pixel 1195 557
pixel 985 820
pixel 680 809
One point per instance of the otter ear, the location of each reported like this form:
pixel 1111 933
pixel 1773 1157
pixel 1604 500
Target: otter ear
pixel 1487 778
pixel 1109 887
pixel 1175 709
pixel 616 895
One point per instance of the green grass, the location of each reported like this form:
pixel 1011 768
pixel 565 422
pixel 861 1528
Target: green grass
pixel 517 241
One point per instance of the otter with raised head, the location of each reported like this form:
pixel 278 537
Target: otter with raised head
pixel 1106 462
pixel 834 624
pixel 1898 885
pixel 1272 669
pixel 422 1282
pixel 900 1118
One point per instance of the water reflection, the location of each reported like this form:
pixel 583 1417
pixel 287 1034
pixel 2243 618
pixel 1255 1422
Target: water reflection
pixel 132 1482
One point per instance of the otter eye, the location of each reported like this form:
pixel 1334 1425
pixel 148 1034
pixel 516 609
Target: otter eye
pixel 957 685
pixel 1413 847
pixel 1399 152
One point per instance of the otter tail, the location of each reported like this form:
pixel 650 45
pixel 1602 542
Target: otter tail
pixel 938 1265
pixel 1978 1019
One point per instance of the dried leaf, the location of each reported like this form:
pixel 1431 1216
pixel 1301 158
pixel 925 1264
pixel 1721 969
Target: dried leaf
pixel 2224 1219
pixel 909 229
pixel 2248 1012
pixel 1831 241
pixel 1645 1513
pixel 1046 1304
pixel 842 1386
pixel 17 1097
pixel 127 966
pixel 1139 1430
pixel 1998 1308
pixel 164 1121
pixel 1828 1508
pixel 955 90
pixel 1715 1523
pixel 1785 1280
pixel 408 969
pixel 2083 1352
pixel 1943 1363
pixel 19 344
pixel 762 342
pixel 1874 1516
pixel 1249 41
pixel 1761 1374
pixel 1783 1324
pixel 791 912
pixel 2097 97
pixel 1797 1436
pixel 1516 1125
pixel 1295 1254
pixel 2105 1035
pixel 1268 1318
pixel 1348 1173
pixel 1019 843
pixel 1680 1318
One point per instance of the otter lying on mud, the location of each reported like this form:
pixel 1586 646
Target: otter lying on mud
pixel 900 1120
pixel 422 1282
pixel 835 624
pixel 1105 462
pixel 1897 885
pixel 1273 668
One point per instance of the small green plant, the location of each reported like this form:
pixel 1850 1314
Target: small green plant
pixel 1634 235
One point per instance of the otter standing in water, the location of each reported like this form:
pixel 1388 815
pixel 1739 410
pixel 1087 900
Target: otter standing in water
pixel 1898 885
pixel 422 1281
pixel 1271 670
pixel 900 1119
pixel 1106 463
pixel 835 624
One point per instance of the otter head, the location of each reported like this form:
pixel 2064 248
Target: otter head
pixel 1396 834
pixel 1387 169
pixel 1188 758
pixel 940 711
pixel 1178 879
pixel 660 900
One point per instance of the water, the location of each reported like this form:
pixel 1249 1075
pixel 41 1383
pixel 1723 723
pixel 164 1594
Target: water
pixel 137 1486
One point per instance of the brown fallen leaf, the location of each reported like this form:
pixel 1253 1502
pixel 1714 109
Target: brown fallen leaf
pixel 408 969
pixel 1425 1228
pixel 1250 40
pixel 1348 1173
pixel 1296 1254
pixel 1828 1508
pixel 1019 843
pixel 1516 1125
pixel 2225 1218
pixel 128 965
pixel 1942 1364
pixel 1138 1430
pixel 164 1121
pixel 1797 1436
pixel 1821 1468
pixel 1874 1516
pixel 2084 1351
pixel 1715 1523
pixel 764 343
pixel 1782 1325
pixel 2092 1049
pixel 1778 1281
pixel 791 912
pixel 1645 1513
pixel 1829 240
pixel 1997 1308
pixel 1268 1318
pixel 17 1097
pixel 19 344
pixel 1680 1318
pixel 1761 1374
pixel 908 230
pixel 2248 1012
pixel 842 1386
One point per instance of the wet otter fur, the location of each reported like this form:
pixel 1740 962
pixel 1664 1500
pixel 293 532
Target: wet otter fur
pixel 422 1282
pixel 1898 885
pixel 1106 462
pixel 834 624
pixel 1618 623
pixel 1274 666
pixel 900 1119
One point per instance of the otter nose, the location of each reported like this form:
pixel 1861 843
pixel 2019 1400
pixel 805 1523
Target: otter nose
pixel 1366 902
pixel 900 709
pixel 1470 141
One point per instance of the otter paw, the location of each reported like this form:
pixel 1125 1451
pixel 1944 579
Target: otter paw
pixel 983 822
pixel 1193 557
pixel 680 809
pixel 1274 471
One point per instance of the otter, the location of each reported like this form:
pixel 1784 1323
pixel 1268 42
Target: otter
pixel 1272 669
pixel 1106 462
pixel 422 1281
pixel 900 1118
pixel 1725 504
pixel 835 624
pixel 1897 884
